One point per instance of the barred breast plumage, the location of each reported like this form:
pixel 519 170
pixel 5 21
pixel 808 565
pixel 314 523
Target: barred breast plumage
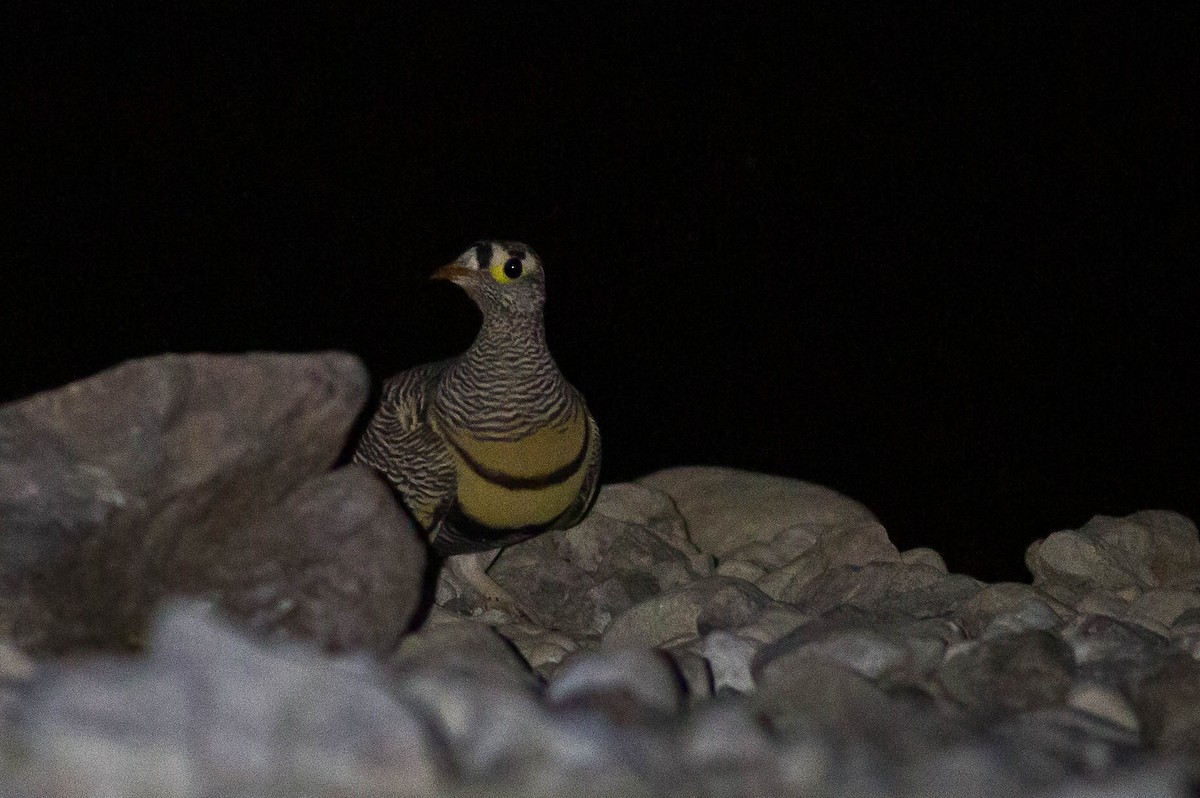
pixel 494 446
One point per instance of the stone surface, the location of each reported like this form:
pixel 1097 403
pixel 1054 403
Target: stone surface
pixel 624 685
pixel 1009 673
pixel 1104 702
pixel 921 590
pixel 798 556
pixel 1168 705
pixel 336 561
pixel 888 650
pixel 924 556
pixel 1007 607
pixel 108 485
pixel 210 712
pixel 686 613
pixel 1113 652
pixel 447 641
pixel 1158 608
pixel 631 547
pixel 1123 556
pixel 730 657
pixel 726 509
pixel 800 688
pixel 705 632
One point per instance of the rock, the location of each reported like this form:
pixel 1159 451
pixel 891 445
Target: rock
pixel 924 556
pixel 1112 652
pixel 1185 632
pixel 502 739
pixel 726 509
pixel 731 752
pixel 917 590
pixel 966 770
pixel 803 693
pixel 812 659
pixel 1159 780
pixel 449 642
pixel 1007 607
pixel 1158 608
pixel 14 664
pixel 1148 549
pixel 802 687
pixel 795 557
pixel 543 649
pixel 729 658
pixel 695 674
pixel 632 546
pixel 626 686
pixel 1053 744
pixel 336 562
pixel 213 713
pixel 887 650
pixel 812 764
pixel 1168 705
pixel 1104 702
pixel 1009 673
pixel 1100 602
pixel 685 613
pixel 773 623
pixel 104 482
pixel 860 649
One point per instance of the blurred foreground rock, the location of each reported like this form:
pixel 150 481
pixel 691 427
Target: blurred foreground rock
pixel 704 632
pixel 205 475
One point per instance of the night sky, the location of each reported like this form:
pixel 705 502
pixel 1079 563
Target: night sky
pixel 939 257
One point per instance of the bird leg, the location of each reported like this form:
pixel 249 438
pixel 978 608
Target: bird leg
pixel 471 569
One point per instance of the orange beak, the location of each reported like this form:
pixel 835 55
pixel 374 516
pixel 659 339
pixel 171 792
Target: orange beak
pixel 452 272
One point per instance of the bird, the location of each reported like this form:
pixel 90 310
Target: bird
pixel 494 446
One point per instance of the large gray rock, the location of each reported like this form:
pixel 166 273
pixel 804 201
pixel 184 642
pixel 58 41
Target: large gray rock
pixel 813 659
pixel 1168 705
pixel 918 590
pixel 210 712
pixel 787 565
pixel 626 685
pixel 735 754
pixel 726 509
pixel 1055 743
pixel 1114 653
pixel 803 690
pixel 1122 556
pixel 189 473
pixel 686 613
pixel 335 562
pixel 1007 607
pixel 890 650
pixel 1158 608
pixel 449 642
pixel 632 546
pixel 1009 673
pixel 502 740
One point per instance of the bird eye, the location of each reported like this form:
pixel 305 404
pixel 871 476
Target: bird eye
pixel 513 268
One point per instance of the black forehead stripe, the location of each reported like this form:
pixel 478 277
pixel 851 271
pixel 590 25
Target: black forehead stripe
pixel 519 254
pixel 483 254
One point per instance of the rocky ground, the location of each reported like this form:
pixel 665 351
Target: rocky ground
pixel 194 601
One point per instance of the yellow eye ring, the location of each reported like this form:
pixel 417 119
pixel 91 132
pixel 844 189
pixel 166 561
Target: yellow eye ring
pixel 506 272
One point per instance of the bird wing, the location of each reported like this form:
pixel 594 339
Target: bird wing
pixel 591 481
pixel 400 443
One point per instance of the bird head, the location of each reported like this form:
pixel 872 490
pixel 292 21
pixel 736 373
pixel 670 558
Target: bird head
pixel 501 276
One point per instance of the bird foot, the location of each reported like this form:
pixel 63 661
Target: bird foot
pixel 471 570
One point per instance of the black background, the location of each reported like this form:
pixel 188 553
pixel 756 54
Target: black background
pixel 939 257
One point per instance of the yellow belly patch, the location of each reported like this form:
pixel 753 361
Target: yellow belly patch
pixel 533 456
pixel 541 456
pixel 505 508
